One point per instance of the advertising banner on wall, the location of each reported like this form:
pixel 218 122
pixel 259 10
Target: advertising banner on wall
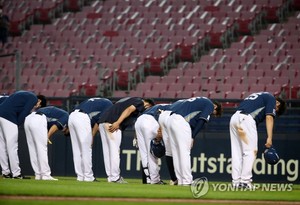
pixel 210 157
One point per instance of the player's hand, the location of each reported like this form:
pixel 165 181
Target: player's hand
pixel 49 141
pixel 159 135
pixel 268 143
pixel 192 144
pixel 113 127
pixel 135 143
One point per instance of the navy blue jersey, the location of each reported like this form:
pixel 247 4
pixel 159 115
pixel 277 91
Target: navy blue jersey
pixel 94 107
pixel 196 111
pixel 55 116
pixel 17 106
pixel 2 98
pixel 113 113
pixel 258 105
pixel 154 110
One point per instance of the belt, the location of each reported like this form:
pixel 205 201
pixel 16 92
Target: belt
pixel 80 110
pixel 39 113
pixel 243 112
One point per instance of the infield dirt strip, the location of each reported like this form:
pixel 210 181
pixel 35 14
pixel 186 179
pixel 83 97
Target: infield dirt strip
pixel 192 201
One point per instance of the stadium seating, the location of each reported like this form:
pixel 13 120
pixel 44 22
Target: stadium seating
pixel 244 44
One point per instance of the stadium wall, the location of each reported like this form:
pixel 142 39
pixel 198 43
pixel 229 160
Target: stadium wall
pixel 210 157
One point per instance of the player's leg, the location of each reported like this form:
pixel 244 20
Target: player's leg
pixel 3 151
pixel 40 134
pixel 11 137
pixel 139 127
pixel 114 142
pixel 105 135
pixel 249 146
pixel 86 138
pixel 77 157
pixel 32 147
pixel 181 139
pixel 150 133
pixel 236 150
pixel 163 118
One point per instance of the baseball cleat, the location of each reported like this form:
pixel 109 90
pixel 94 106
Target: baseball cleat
pixel 173 183
pixel 121 181
pixel 21 177
pixel 49 178
pixel 246 186
pixel 7 176
pixel 161 182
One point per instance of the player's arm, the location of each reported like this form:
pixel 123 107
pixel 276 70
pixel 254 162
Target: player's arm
pixel 269 127
pixel 95 129
pixel 116 125
pixel 159 135
pixel 198 127
pixel 51 131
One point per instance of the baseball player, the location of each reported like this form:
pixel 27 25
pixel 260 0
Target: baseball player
pixel 13 111
pixel 39 126
pixel 111 124
pixel 81 122
pixel 146 128
pixel 254 109
pixel 180 125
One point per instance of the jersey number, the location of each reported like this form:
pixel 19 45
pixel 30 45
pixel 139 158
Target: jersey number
pixel 253 96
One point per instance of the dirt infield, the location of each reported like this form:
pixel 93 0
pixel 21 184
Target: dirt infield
pixel 191 201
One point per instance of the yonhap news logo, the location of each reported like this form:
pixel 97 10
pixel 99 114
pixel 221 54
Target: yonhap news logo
pixel 201 186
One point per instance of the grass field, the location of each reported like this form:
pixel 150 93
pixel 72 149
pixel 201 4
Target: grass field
pixel 67 190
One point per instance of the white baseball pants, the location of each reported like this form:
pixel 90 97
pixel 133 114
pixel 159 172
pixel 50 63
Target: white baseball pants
pixel 180 134
pixel 9 158
pixel 37 138
pixel 146 129
pixel 163 119
pixel 243 137
pixel 111 151
pixel 81 138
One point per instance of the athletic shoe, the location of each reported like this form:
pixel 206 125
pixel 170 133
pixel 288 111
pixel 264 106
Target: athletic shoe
pixel 246 186
pixel 7 176
pixel 173 183
pixel 148 180
pixel 95 180
pixel 161 182
pixel 121 181
pixel 38 178
pixel 21 177
pixel 50 178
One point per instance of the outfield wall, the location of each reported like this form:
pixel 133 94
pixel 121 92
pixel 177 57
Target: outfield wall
pixel 210 155
pixel 210 158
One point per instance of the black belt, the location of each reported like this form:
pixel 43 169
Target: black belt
pixel 80 110
pixel 39 113
pixel 243 112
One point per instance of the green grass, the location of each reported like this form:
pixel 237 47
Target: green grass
pixel 69 187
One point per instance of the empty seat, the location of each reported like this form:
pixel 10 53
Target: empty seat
pixel 152 94
pixel 256 88
pixel 185 79
pixel 175 87
pixel 121 94
pixel 169 79
pixel 233 95
pixel 169 94
pixel 160 86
